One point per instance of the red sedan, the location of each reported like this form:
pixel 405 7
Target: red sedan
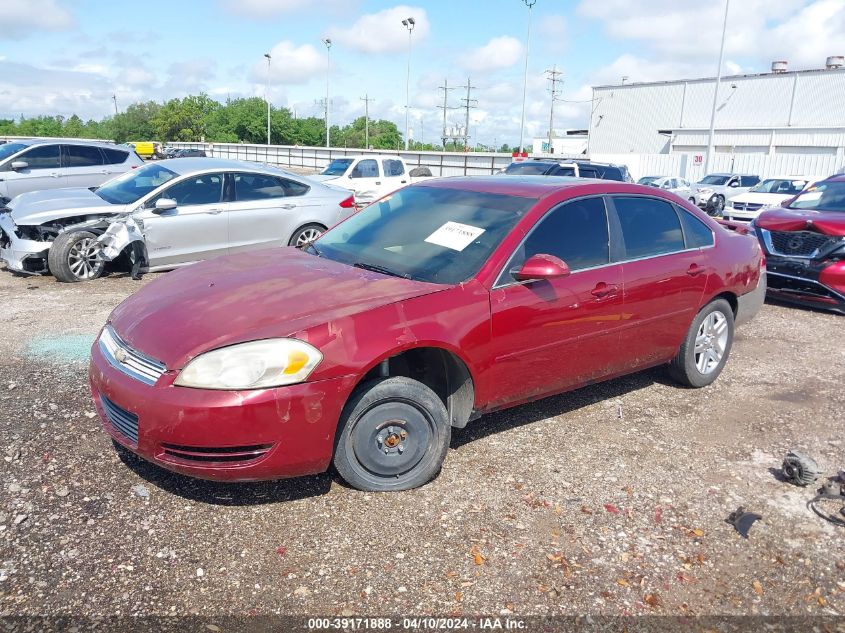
pixel 443 301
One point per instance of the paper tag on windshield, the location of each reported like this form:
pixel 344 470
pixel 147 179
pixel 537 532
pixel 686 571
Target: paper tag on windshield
pixel 454 235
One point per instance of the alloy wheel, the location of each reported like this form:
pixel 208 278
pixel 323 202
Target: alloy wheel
pixel 308 235
pixel 84 259
pixel 710 342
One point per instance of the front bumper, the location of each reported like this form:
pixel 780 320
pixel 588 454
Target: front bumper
pixel 221 435
pixel 807 282
pixel 24 256
pixel 731 213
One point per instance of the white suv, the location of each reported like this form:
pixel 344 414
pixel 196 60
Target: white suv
pixel 37 164
pixel 711 192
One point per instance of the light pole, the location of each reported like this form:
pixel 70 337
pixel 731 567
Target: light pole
pixel 529 4
pixel 328 44
pixel 267 96
pixel 716 93
pixel 409 24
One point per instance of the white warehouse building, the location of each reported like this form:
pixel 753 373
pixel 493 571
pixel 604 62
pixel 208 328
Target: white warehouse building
pixel 792 120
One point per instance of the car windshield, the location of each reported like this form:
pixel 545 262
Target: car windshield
pixel 714 180
pixel 527 169
pixel 780 185
pixel 425 233
pixel 9 149
pixel 337 167
pixel 134 185
pixel 647 180
pixel 825 196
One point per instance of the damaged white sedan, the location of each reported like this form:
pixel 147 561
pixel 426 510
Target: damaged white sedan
pixel 164 215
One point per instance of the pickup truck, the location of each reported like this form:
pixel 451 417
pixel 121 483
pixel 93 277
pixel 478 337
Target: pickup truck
pixel 369 177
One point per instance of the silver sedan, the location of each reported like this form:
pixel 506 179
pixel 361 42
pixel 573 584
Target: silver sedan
pixel 164 215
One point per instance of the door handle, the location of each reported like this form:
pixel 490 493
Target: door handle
pixel 289 206
pixel 214 211
pixel 694 270
pixel 604 290
pixel 55 175
pixel 105 171
pixel 404 182
pixel 377 182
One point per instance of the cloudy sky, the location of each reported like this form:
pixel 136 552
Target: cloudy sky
pixel 71 56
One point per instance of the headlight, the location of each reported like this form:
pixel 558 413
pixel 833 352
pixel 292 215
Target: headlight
pixel 254 365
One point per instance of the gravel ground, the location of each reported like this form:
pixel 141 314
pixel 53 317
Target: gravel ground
pixel 609 500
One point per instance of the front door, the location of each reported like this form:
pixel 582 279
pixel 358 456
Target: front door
pixel 195 230
pixel 366 181
pixel 43 171
pixel 549 335
pixel 664 278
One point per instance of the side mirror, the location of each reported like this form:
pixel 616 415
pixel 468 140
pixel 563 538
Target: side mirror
pixel 734 184
pixel 164 204
pixel 541 266
pixel 667 185
pixel 19 165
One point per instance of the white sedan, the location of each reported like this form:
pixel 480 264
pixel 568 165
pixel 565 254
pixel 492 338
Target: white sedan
pixel 678 186
pixel 164 215
pixel 770 192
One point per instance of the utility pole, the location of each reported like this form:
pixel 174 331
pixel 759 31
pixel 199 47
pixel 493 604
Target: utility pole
pixel 554 77
pixel 530 4
pixel 469 102
pixel 267 96
pixel 716 92
pixel 366 99
pixel 408 23
pixel 328 44
pixel 445 88
pixel 114 98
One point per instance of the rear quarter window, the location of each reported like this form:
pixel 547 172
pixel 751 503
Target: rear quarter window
pixel 696 233
pixel 114 156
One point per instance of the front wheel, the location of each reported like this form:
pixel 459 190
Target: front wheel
pixel 75 256
pixel 306 234
pixel 715 206
pixel 706 348
pixel 393 435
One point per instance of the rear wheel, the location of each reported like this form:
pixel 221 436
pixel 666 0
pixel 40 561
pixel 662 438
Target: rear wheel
pixel 75 256
pixel 305 234
pixel 393 435
pixel 706 348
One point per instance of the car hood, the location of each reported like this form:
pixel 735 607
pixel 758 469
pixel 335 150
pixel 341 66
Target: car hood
pixel 780 219
pixel 761 198
pixel 37 207
pixel 250 296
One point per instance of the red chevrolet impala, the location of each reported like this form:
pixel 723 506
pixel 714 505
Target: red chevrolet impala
pixel 443 301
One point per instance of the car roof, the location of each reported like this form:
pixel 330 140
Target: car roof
pixel 71 141
pixel 529 186
pixel 189 165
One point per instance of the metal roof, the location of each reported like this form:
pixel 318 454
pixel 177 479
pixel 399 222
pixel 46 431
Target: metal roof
pixel 724 78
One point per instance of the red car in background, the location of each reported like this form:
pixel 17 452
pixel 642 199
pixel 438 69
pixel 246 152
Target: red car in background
pixel 443 301
pixel 804 241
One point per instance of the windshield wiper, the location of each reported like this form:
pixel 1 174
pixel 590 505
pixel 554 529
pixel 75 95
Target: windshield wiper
pixel 380 269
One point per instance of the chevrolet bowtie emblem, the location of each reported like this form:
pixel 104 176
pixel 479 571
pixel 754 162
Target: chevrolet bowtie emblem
pixel 120 355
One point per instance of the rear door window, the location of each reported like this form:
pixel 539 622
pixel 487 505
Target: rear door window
pixel 649 226
pixel 81 156
pixel 748 181
pixel 696 233
pixel 576 232
pixel 114 156
pixel 42 157
pixel 257 187
pixel 393 167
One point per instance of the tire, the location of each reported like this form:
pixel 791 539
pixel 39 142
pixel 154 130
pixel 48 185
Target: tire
pixel 715 206
pixel 73 257
pixel 693 202
pixel 699 360
pixel 402 417
pixel 305 234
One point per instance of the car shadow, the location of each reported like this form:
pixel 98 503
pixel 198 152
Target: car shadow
pixel 800 306
pixel 560 404
pixel 223 493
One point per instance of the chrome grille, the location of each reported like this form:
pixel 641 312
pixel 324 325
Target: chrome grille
pixel 123 421
pixel 130 361
pixel 747 206
pixel 798 243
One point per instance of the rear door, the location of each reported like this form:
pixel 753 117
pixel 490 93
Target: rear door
pixel 43 171
pixel 664 280
pixel 195 230
pixel 265 210
pixel 84 166
pixel 548 335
